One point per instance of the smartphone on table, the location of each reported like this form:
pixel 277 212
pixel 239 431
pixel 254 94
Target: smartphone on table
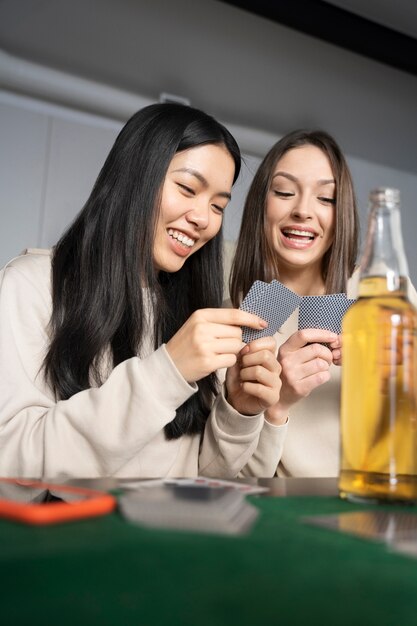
pixel 39 503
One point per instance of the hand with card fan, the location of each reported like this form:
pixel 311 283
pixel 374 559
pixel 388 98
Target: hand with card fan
pixel 305 358
pixel 209 340
pixel 305 364
pixel 212 339
pixel 325 312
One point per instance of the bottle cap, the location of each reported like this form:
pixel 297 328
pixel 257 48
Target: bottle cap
pixel 385 195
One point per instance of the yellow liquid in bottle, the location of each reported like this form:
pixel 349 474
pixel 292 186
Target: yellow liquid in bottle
pixel 379 408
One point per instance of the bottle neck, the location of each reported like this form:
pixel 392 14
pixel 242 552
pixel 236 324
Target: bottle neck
pixel 384 257
pixel 373 286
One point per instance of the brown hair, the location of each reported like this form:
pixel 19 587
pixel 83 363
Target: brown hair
pixel 255 258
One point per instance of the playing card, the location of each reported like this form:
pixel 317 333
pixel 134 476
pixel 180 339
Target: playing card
pixel 182 504
pixel 407 547
pixel 217 483
pixel 310 312
pixel 386 526
pixel 200 481
pixel 325 312
pixel 334 309
pixel 274 304
pixel 253 295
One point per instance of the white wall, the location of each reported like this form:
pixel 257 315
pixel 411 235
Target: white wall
pixel 49 160
pixel 50 157
pixel 238 66
pixel 367 176
pixel 23 154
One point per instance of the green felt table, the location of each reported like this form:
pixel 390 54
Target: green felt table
pixel 107 571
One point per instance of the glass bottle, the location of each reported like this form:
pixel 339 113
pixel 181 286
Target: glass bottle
pixel 379 385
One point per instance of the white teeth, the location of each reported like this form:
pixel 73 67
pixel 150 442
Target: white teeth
pixel 300 233
pixel 186 241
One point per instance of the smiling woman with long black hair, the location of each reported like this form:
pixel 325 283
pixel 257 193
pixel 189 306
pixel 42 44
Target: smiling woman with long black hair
pixel 109 344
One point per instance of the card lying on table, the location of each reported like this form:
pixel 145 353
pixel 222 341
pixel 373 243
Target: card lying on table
pixel 197 508
pixel 385 526
pixel 198 481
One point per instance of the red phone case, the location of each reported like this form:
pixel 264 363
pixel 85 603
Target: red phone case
pixel 92 503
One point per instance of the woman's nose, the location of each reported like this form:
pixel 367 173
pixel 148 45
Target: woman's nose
pixel 302 207
pixel 199 216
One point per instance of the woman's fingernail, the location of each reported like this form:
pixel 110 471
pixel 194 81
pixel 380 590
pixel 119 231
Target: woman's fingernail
pixel 263 323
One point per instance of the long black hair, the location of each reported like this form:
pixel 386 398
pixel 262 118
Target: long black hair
pixel 104 259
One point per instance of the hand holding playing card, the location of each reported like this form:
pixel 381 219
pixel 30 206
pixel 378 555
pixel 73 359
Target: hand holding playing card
pixel 305 364
pixel 253 384
pixel 275 303
pixel 325 312
pixel 305 358
pixel 209 340
pixel 336 348
pixel 272 302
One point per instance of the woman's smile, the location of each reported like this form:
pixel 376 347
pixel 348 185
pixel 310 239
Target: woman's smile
pixel 180 242
pixel 300 208
pixel 298 238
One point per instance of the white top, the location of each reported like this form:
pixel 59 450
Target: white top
pixel 115 429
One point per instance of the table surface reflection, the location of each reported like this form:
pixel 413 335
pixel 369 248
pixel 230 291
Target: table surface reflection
pixel 109 572
pixel 278 487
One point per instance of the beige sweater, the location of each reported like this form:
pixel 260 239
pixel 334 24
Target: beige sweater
pixel 116 429
pixel 312 440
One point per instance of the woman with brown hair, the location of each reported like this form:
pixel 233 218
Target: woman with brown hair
pixel 300 226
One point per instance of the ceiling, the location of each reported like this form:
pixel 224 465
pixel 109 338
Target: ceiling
pixel 266 65
pixel 400 16
pixel 384 30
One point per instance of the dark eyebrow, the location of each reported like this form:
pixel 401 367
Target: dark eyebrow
pixel 203 181
pixel 286 175
pixel 324 181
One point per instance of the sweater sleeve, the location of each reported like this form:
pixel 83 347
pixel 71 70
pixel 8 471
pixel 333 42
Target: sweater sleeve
pixel 96 431
pixel 265 459
pixel 239 445
pixel 236 445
